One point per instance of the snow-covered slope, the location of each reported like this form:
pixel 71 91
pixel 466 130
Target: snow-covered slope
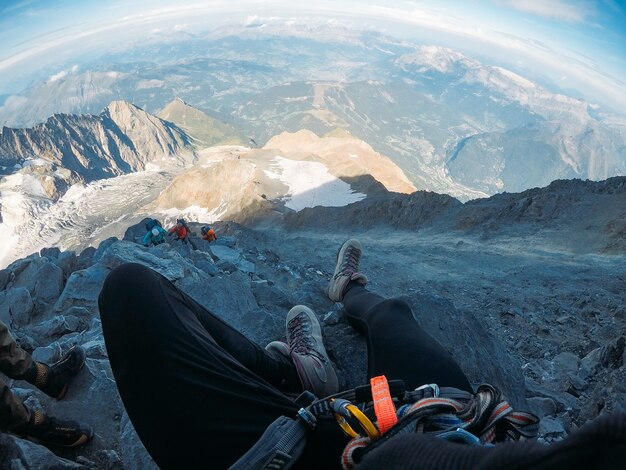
pixel 227 183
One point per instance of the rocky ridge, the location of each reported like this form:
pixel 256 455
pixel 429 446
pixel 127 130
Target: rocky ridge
pixel 121 139
pixel 544 323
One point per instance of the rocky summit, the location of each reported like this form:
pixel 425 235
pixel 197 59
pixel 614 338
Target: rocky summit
pixel 525 291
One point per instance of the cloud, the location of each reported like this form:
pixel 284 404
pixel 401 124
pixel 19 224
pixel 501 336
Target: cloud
pixel 16 6
pixel 252 22
pixel 57 76
pixel 572 11
pixel 12 105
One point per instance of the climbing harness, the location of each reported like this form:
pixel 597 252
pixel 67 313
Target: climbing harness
pixel 445 412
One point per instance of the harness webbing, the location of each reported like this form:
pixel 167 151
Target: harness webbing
pixel 383 404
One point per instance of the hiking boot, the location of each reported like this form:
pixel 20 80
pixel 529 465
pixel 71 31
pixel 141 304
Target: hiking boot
pixel 306 347
pixel 53 380
pixel 346 270
pixel 278 347
pixel 51 431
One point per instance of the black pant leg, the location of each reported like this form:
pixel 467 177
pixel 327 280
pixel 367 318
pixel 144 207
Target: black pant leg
pixel 192 404
pixel 396 345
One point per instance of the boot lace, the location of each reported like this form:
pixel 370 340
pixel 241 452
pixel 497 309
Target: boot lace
pixel 350 263
pixel 301 339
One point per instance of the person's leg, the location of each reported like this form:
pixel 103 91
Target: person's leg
pixel 14 361
pixel 397 346
pixel 16 417
pixel 188 381
pixel 13 413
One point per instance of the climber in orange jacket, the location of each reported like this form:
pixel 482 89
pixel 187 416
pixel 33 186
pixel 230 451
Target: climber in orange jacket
pixel 208 234
pixel 180 230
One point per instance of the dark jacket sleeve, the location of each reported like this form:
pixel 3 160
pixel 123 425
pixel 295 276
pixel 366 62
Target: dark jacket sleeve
pixel 600 444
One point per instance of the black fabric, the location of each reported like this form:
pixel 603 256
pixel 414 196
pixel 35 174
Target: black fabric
pixel 198 392
pixel 599 445
pixel 397 346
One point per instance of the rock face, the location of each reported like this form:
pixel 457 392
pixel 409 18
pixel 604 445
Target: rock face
pixel 346 157
pixel 292 171
pixel 545 327
pixel 205 130
pixel 52 320
pixel 121 139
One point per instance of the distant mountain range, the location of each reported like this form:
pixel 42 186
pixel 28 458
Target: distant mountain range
pixel 121 139
pixel 453 124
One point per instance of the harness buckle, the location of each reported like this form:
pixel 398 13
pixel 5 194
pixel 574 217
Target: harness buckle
pixel 308 417
pixel 433 387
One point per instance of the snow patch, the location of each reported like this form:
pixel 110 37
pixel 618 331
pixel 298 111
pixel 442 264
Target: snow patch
pixel 193 213
pixel 310 184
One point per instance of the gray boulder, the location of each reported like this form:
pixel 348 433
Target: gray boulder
pixel 82 289
pixel 19 454
pixel 16 306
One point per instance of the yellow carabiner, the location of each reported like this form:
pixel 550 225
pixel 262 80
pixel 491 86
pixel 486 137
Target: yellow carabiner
pixel 344 409
pixel 364 421
pixel 345 427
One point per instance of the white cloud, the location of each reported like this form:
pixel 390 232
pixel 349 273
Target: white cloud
pixel 57 76
pixel 12 105
pixel 564 10
pixel 252 21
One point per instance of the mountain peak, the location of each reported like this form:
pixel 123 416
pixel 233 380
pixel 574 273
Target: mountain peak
pixel 346 156
pixel 204 129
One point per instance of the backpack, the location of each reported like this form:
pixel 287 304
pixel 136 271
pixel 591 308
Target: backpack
pixel 151 223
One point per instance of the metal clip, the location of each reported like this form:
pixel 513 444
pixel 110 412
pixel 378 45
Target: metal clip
pixel 433 387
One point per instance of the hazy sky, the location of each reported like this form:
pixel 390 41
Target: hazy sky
pixel 578 44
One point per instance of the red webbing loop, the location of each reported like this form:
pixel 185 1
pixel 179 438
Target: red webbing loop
pixel 383 404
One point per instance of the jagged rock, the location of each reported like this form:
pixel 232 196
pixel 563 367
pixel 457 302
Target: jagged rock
pixel 84 260
pixel 111 460
pixel 563 400
pixel 49 283
pixel 481 356
pixel 68 262
pixel 51 253
pixel 16 306
pixel 134 453
pixel 102 248
pixel 6 275
pixel 224 240
pixel 267 295
pixel 551 428
pixel 57 326
pixel 135 233
pixel 82 289
pixel 256 304
pixel 204 262
pixel 19 454
pixel 42 278
pixel 541 406
pixel 217 294
pixel 610 355
pixel 230 255
pixel 161 258
pixel 567 362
